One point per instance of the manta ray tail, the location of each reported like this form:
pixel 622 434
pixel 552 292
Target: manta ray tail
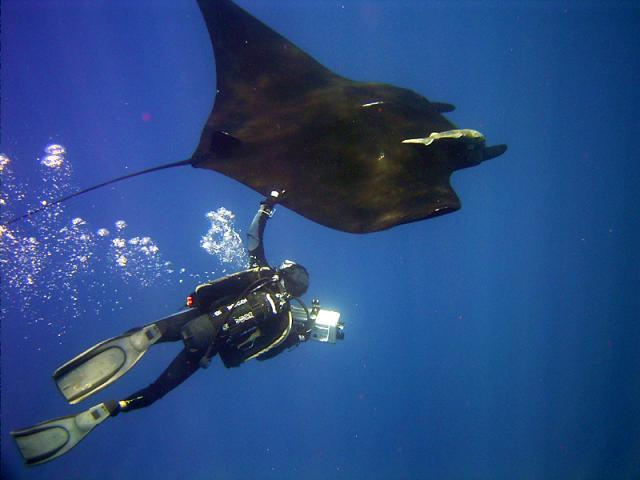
pixel 48 204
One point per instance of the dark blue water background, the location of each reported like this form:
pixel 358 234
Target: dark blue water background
pixel 498 342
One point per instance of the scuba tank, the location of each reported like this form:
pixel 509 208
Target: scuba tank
pixel 247 313
pixel 233 323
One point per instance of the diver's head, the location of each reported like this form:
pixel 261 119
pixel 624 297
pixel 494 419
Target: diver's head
pixel 294 277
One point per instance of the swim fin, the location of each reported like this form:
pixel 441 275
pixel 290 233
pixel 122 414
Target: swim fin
pixel 103 364
pixel 48 440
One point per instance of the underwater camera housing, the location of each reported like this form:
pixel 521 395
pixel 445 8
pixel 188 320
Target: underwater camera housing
pixel 325 324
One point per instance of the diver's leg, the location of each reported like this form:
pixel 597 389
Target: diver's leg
pixel 181 368
pixel 171 327
pixel 199 336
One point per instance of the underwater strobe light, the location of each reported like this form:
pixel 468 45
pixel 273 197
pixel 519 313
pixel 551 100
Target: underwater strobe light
pixel 326 326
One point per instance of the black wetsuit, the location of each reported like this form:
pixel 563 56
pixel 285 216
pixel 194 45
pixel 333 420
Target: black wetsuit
pixel 268 331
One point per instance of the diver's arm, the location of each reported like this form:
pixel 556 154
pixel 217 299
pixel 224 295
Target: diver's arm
pixel 256 230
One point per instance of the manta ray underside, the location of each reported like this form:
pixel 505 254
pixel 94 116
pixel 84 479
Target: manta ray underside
pixel 354 156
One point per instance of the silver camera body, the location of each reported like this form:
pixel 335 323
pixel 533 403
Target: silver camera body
pixel 325 324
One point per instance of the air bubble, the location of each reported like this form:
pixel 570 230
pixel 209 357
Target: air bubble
pixel 222 240
pixel 4 161
pixel 55 149
pixel 52 161
pixel 60 259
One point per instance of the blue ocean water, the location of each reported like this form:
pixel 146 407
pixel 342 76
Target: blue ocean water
pixel 498 342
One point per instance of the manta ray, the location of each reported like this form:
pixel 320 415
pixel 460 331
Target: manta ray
pixel 355 156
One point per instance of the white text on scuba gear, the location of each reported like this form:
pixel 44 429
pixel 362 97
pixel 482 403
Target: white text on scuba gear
pixel 249 315
pixel 218 312
pixel 244 318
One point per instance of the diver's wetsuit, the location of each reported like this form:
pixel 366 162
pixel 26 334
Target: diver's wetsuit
pixel 269 335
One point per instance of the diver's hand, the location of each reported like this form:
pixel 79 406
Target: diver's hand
pixel 273 198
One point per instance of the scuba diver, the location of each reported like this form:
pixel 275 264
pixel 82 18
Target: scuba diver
pixel 240 317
